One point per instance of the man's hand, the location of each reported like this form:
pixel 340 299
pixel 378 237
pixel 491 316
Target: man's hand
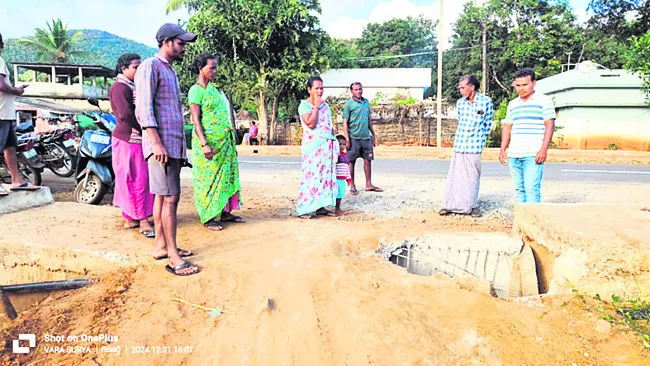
pixel 20 90
pixel 373 140
pixel 160 153
pixel 207 151
pixel 348 144
pixel 541 156
pixel 503 157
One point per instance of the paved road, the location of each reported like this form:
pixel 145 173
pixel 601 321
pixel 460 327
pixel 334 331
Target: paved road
pixel 432 169
pixel 438 169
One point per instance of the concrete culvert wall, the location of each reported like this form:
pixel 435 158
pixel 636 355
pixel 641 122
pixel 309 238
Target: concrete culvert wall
pixel 505 262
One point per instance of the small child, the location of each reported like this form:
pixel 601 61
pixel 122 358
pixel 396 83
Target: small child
pixel 343 176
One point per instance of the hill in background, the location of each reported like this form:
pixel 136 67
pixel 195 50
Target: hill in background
pixel 104 49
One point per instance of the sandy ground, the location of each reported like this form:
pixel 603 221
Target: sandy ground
pixel 490 154
pixel 311 292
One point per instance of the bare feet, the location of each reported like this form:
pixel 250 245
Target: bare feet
pixel 340 212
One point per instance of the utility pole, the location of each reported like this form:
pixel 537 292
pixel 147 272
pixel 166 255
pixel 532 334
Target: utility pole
pixel 232 105
pixel 484 86
pixel 439 93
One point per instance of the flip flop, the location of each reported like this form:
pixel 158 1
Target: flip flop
pixel 233 218
pixel 182 252
pixel 324 212
pixel 148 233
pixel 354 192
pixel 131 227
pixel 3 191
pixel 374 189
pixel 213 225
pixel 25 187
pixel 184 265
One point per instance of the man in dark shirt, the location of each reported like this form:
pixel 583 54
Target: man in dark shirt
pixel 360 136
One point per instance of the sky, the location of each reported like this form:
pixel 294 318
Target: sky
pixel 139 19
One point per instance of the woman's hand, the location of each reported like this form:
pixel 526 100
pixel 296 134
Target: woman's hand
pixel 207 151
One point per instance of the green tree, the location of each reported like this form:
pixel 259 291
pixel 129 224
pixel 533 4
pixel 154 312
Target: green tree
pixel 638 58
pixel 398 37
pixel 54 44
pixel 521 33
pixel 341 53
pixel 607 32
pixel 266 49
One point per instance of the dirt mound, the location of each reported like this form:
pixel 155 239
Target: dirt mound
pixel 331 302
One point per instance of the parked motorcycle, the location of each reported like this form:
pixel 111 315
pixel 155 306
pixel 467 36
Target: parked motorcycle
pixel 29 164
pixel 54 149
pixel 94 170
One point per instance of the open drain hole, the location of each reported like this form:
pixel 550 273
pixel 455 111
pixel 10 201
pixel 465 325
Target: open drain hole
pixel 510 267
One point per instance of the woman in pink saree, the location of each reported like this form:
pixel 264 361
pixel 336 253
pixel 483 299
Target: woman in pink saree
pixel 131 172
pixel 320 152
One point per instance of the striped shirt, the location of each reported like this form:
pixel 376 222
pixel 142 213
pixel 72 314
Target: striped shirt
pixel 342 168
pixel 158 105
pixel 474 124
pixel 528 128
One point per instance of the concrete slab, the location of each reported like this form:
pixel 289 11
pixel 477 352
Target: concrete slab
pixel 598 249
pixel 497 258
pixel 17 201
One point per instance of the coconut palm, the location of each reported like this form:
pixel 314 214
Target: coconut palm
pixel 191 5
pixel 54 44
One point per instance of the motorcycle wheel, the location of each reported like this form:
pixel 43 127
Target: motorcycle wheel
pixel 65 161
pixel 30 174
pixel 94 192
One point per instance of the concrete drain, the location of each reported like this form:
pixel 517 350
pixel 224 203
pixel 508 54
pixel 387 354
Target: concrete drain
pixel 505 262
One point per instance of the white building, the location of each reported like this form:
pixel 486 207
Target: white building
pixel 407 83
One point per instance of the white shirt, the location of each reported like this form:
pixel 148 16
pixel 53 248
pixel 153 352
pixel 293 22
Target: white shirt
pixel 7 107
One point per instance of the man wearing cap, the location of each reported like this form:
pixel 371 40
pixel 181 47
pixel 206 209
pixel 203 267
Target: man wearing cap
pixel 160 113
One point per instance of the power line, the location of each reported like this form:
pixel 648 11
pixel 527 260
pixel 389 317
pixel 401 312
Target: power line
pixel 371 58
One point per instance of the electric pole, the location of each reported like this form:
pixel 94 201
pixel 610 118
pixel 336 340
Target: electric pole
pixel 439 93
pixel 485 62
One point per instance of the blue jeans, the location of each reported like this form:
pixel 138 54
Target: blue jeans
pixel 527 178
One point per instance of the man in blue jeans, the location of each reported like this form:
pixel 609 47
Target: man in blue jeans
pixel 527 133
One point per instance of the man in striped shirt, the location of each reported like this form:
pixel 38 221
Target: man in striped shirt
pixel 159 111
pixel 527 133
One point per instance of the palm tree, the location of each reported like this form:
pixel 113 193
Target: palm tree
pixel 54 44
pixel 191 5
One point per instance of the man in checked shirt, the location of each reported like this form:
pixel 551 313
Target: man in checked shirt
pixel 159 111
pixel 474 124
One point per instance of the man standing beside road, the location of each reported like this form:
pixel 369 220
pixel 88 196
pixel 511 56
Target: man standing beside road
pixel 359 135
pixel 8 139
pixel 475 112
pixel 527 133
pixel 160 113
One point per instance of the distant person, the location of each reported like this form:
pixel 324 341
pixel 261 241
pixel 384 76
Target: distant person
pixel 160 113
pixel 360 136
pixel 343 177
pixel 475 112
pixel 217 191
pixel 8 139
pixel 252 131
pixel 132 193
pixel 527 133
pixel 320 153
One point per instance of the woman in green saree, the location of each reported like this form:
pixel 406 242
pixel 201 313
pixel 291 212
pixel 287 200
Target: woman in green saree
pixel 215 169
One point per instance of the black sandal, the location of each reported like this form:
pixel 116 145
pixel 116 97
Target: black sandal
pixel 180 267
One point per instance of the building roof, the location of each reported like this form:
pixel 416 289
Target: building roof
pixel 588 75
pixel 378 78
pixel 59 107
pixel 67 69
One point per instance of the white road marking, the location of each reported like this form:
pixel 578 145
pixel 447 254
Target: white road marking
pixel 270 162
pixel 606 171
